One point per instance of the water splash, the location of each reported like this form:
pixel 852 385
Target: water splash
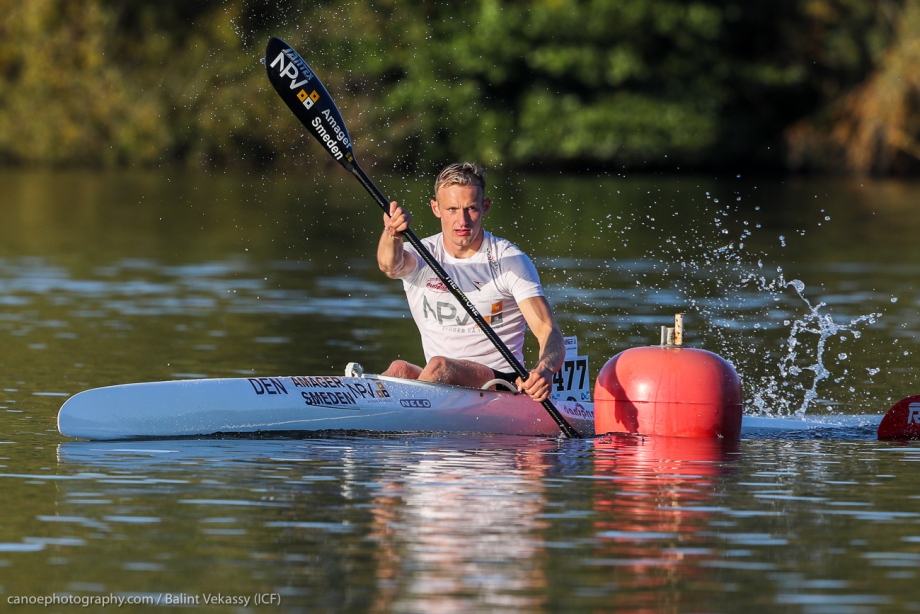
pixel 675 252
pixel 823 326
pixel 728 286
pixel 784 386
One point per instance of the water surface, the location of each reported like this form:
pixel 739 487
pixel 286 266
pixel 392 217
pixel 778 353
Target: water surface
pixel 808 287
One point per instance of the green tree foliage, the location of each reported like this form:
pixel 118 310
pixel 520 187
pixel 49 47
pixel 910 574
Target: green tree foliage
pixel 874 127
pixel 62 99
pixel 544 83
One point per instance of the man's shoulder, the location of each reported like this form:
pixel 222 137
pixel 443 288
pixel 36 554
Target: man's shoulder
pixel 432 243
pixel 499 245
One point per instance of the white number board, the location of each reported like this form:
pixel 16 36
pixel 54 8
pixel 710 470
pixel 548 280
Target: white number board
pixel 572 382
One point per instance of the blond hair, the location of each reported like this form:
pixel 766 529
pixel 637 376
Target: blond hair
pixel 461 173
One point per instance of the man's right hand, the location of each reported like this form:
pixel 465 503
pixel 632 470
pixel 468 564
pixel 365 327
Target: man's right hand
pixel 391 257
pixel 397 222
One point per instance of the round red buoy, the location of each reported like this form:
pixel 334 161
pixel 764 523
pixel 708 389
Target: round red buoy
pixel 902 421
pixel 668 390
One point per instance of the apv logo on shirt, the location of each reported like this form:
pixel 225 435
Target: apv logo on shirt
pixel 447 314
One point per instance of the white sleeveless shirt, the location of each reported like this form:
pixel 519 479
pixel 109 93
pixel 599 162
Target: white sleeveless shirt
pixel 495 279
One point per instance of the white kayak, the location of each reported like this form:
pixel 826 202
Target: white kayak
pixel 184 408
pixel 306 403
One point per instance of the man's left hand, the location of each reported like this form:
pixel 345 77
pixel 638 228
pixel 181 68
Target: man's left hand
pixel 538 385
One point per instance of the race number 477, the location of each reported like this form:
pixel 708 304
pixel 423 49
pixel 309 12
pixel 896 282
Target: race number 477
pixel 572 382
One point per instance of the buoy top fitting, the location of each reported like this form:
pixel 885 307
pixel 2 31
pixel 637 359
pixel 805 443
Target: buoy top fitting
pixel 673 336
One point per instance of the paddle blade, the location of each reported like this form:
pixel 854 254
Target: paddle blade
pixel 305 95
pixel 902 421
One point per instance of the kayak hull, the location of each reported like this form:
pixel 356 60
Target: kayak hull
pixel 306 403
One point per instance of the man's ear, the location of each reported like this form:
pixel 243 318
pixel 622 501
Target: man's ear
pixel 486 203
pixel 434 208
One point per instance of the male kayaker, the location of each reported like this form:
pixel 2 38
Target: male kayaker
pixel 495 275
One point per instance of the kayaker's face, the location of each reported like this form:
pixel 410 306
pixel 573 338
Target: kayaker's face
pixel 460 209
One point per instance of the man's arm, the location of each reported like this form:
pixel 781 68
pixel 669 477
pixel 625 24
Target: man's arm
pixel 539 317
pixel 391 256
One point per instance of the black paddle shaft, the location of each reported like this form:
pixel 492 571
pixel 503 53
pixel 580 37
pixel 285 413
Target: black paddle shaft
pixel 305 95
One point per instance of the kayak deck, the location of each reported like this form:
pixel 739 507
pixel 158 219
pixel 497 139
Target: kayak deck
pixel 306 403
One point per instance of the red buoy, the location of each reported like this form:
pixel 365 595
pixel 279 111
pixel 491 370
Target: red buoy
pixel 902 421
pixel 668 390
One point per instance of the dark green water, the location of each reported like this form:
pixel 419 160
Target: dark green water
pixel 108 279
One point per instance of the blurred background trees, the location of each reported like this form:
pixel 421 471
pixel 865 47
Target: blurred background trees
pixel 805 85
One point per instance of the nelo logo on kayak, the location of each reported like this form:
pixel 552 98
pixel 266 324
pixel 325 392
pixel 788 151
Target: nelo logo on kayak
pixel 415 403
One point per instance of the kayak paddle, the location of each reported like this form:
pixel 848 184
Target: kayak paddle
pixel 301 90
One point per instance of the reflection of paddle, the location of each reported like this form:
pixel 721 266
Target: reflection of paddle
pixel 902 421
pixel 302 91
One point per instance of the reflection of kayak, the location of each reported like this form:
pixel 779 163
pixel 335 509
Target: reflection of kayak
pixel 320 403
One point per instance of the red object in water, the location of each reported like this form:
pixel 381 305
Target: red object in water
pixel 901 422
pixel 668 390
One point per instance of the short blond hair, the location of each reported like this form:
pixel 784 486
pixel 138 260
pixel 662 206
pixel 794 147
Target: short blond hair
pixel 461 173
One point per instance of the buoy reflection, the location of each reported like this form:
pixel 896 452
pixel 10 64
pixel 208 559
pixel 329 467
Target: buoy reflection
pixel 653 497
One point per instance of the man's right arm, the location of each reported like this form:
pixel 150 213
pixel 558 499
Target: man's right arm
pixel 391 255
